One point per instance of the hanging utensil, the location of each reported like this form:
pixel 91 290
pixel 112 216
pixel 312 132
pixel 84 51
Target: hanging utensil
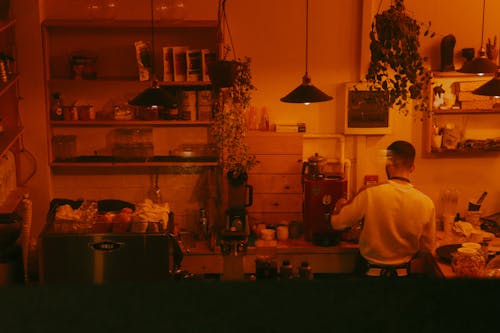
pixel 481 198
pixel 155 193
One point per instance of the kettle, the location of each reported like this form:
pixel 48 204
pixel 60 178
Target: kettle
pixel 314 168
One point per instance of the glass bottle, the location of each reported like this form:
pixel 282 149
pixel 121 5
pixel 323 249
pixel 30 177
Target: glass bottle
pixel 286 270
pixel 305 271
pixel 56 109
pixel 203 225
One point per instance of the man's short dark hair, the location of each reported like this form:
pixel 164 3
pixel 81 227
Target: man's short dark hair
pixel 401 154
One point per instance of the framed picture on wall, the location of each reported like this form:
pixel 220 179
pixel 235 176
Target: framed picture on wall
pixel 363 114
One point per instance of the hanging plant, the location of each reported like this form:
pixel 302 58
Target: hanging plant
pixel 229 127
pixel 231 101
pixel 396 67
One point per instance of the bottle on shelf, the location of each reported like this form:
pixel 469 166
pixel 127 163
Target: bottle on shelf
pixel 203 225
pixel 56 109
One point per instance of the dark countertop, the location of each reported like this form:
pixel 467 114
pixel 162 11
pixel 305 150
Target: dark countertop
pixel 358 305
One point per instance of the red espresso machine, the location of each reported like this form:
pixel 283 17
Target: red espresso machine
pixel 320 193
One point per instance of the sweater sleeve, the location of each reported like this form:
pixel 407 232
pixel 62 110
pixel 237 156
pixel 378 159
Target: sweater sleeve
pixel 427 241
pixel 351 213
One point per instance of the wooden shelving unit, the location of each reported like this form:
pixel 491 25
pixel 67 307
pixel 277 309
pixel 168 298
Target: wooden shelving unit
pixel 117 79
pixel 11 136
pixel 479 127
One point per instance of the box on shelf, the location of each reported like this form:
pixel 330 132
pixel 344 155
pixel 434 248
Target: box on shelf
pixel 188 104
pixel 143 57
pixel 194 65
pixel 204 104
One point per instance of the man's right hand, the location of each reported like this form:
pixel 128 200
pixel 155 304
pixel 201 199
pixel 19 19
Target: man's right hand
pixel 339 204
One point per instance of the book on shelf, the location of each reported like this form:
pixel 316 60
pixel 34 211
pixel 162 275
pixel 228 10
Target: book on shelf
pixel 176 55
pixel 207 57
pixel 168 62
pixel 291 128
pixel 194 65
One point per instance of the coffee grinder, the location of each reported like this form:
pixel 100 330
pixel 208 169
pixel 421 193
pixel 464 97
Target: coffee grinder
pixel 234 236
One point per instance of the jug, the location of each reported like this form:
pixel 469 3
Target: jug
pixel 314 168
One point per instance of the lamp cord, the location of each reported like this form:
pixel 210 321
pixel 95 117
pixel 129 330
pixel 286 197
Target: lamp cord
pixel 227 28
pixel 482 27
pixel 307 35
pixel 152 41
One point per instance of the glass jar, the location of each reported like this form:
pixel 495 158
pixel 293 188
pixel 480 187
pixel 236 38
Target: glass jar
pixel 468 262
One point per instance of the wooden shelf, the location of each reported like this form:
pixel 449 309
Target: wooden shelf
pixel 459 75
pixel 13 200
pixel 146 24
pixel 132 80
pixel 4 25
pixel 462 153
pixel 6 86
pixel 466 111
pixel 156 161
pixel 114 123
pixel 8 138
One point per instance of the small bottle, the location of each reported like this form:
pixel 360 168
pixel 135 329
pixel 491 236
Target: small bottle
pixel 57 110
pixel 74 113
pixel 91 112
pixel 173 112
pixel 203 226
pixel 286 270
pixel 305 271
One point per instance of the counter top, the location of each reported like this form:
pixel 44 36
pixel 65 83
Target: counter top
pixel 199 259
pixel 291 246
pixel 443 269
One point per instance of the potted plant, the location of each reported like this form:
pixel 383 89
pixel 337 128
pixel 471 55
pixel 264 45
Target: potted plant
pixel 229 127
pixel 396 67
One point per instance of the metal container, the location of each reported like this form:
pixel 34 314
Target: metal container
pixel 75 254
pixel 104 257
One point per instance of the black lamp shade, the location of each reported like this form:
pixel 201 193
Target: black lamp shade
pixel 306 93
pixel 153 96
pixel 479 65
pixel 490 88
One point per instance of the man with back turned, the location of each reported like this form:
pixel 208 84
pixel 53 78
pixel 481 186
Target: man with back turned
pixel 398 220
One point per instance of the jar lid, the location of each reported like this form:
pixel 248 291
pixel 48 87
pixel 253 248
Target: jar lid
pixel 471 245
pixel 467 251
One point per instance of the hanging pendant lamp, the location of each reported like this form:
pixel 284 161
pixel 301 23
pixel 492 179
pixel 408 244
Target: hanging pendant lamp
pixel 154 95
pixel 490 88
pixel 306 92
pixel 481 64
